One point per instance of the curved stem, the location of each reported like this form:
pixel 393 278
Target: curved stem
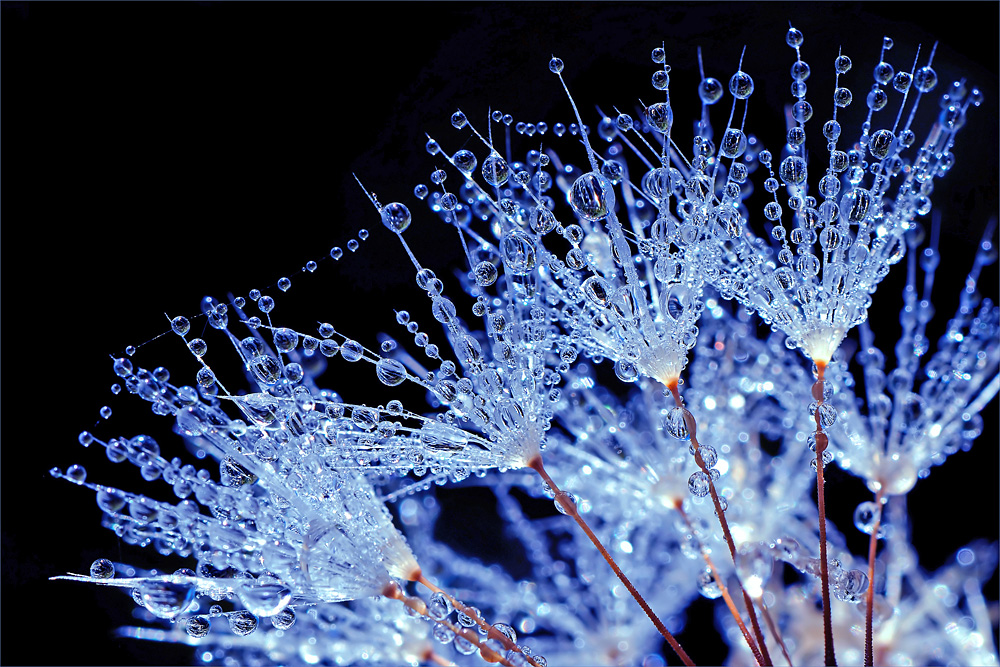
pixel 570 507
pixel 762 656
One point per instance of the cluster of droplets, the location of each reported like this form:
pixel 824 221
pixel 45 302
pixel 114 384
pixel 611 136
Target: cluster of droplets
pixel 295 527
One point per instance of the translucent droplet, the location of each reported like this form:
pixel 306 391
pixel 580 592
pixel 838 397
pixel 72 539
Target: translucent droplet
pixel 336 253
pixel 439 607
pixel 264 599
pixel 390 372
pixel 519 252
pixel 699 483
pixel 555 65
pixel 198 627
pixel 284 619
pixel 741 85
pixel 675 425
pixel 165 599
pixel 793 170
pixel 351 350
pixel 564 502
pixel 180 325
pixel 102 568
pixel 864 518
pixel 284 284
pixel 242 622
pixel 710 90
pixel 206 377
pixel 708 586
pixel 660 116
pixel 734 143
pixel 591 197
pixel 507 631
pixel 495 170
pixel 396 217
pixel 925 79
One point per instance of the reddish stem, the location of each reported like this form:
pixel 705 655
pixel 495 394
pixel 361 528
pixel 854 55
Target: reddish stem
pixel 821 443
pixel 870 596
pixel 725 592
pixel 569 506
pixel 762 656
pixel 393 591
pixel 491 632
pixel 774 630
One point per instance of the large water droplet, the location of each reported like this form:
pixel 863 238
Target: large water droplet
pixel 165 599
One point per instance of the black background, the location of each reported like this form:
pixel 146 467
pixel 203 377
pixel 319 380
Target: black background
pixel 157 152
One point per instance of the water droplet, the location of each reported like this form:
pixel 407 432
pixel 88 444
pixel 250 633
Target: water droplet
pixel 106 412
pixel 180 325
pixel 206 377
pixel 390 372
pixel 495 170
pixel 197 627
pixel 102 568
pixel 660 116
pixel 284 619
pixel 708 586
pixel 165 599
pixel 710 90
pixel 675 425
pixel 264 599
pixel 351 350
pixel 565 501
pixel 591 197
pixel 242 623
pixel 439 607
pixel 556 65
pixel 741 85
pixel 699 483
pixel 519 252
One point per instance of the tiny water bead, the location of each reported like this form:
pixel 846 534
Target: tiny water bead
pixel 180 325
pixel 197 627
pixel 242 623
pixel 102 568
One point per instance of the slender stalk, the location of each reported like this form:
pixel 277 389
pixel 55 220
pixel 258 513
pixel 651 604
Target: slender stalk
pixel 570 508
pixel 821 443
pixel 870 596
pixel 394 592
pixel 491 632
pixel 774 631
pixel 762 656
pixel 725 592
